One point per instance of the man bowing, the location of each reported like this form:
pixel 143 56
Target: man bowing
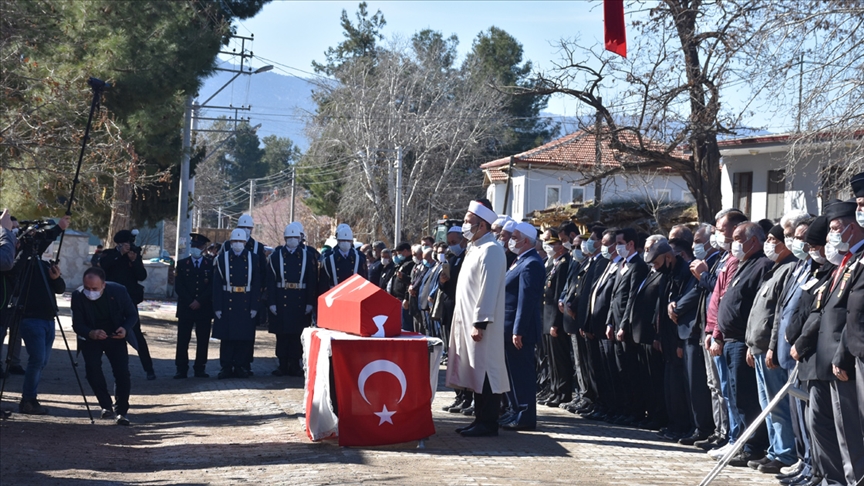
pixel 476 360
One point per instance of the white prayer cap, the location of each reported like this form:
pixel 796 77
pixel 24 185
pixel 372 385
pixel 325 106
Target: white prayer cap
pixel 510 225
pixel 455 229
pixel 527 229
pixel 500 221
pixel 482 212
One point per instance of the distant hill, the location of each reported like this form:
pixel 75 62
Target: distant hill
pixel 278 102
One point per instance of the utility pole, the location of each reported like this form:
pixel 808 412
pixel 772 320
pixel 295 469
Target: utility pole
pixel 507 187
pixel 397 224
pixel 800 92
pixel 293 187
pixel 251 195
pixel 598 162
pixel 219 224
pixel 181 249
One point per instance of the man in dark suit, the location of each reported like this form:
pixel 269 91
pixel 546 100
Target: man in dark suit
pixel 599 300
pixel 523 327
pixel 834 420
pixel 103 316
pixel 569 235
pixel 398 284
pixel 292 280
pixel 385 269
pixel 630 273
pixel 376 266
pixel 194 307
pixel 557 341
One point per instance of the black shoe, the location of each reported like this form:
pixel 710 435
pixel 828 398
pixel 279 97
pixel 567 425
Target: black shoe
pixel 742 459
pixel 15 370
pixel 122 420
pixel 598 415
pixel 224 374
pixel 755 463
pixel 457 404
pixel 803 477
pixel 468 411
pixel 278 372
pixel 814 481
pixel 107 413
pixel 772 467
pixel 32 407
pixel 690 440
pixel 507 417
pixel 201 374
pixel 480 431
pixel 554 402
pixel 296 371
pixel 179 375
pixel 241 373
pixel 463 429
pixel 720 442
pixel 150 377
pixel 707 441
pixel 516 426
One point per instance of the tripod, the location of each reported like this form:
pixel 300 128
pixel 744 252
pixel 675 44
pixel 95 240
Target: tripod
pixel 29 267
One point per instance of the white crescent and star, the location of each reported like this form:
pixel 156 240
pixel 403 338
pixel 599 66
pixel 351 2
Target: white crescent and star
pixel 384 366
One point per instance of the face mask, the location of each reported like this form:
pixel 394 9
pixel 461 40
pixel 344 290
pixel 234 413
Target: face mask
pixel 859 217
pixel 398 259
pixel 442 257
pixel 511 245
pixel 499 243
pixel 195 252
pixel 606 251
pixel 769 249
pixel 237 246
pixel 622 251
pixel 467 231
pixel 836 240
pixel 699 251
pixel 92 294
pixel 417 260
pixel 589 247
pixel 548 249
pixel 833 255
pixel 738 250
pixel 248 233
pixel 456 249
pixel 345 246
pixel 712 240
pixel 578 255
pixel 385 262
pixel 427 264
pixel 292 242
pixel 568 245
pixel 798 249
pixel 817 257
pixel 665 269
pixel 788 242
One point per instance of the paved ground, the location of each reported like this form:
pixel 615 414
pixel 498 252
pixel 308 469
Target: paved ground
pixel 208 431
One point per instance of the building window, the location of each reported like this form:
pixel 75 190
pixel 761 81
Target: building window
pixel 517 198
pixel 664 195
pixel 776 192
pixel 742 191
pixel 687 197
pixel 553 195
pixel 577 194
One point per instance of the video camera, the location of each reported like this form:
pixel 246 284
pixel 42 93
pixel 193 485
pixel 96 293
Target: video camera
pixel 37 235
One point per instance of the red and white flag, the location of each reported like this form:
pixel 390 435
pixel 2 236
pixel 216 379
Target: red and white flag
pixel 383 391
pixel 614 33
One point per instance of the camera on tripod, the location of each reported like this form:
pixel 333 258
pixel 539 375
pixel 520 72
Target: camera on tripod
pixel 37 235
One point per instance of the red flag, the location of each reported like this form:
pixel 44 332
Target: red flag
pixel 383 391
pixel 613 27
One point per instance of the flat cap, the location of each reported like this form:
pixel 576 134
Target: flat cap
pixel 123 236
pixel 840 210
pixel 817 232
pixel 857 182
pixel 660 248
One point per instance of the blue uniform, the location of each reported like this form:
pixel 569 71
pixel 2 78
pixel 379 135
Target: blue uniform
pixel 292 285
pixel 236 292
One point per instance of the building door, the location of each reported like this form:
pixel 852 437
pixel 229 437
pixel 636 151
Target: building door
pixel 742 191
pixel 776 193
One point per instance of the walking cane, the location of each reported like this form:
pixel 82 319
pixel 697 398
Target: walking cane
pixel 788 389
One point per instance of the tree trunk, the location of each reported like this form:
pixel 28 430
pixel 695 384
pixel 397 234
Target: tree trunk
pixel 704 180
pixel 121 206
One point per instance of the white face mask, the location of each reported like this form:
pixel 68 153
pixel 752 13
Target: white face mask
pixel 606 251
pixel 511 245
pixel 345 246
pixel 769 249
pixel 417 260
pixel 467 230
pixel 578 255
pixel 859 217
pixel 798 249
pixel 832 254
pixel 836 240
pixel 456 249
pixel 568 245
pixel 385 262
pixel 292 242
pixel 237 246
pixel 699 251
pixel 738 250
pixel 248 233
pixel 195 252
pixel 92 294
pixel 548 249
pixel 589 247
pixel 817 257
pixel 622 251
pixel 442 257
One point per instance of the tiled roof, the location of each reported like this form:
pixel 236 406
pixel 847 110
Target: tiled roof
pixel 575 151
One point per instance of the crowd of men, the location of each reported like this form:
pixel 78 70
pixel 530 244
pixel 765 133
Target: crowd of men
pixel 692 335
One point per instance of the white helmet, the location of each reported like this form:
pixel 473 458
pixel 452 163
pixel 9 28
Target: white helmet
pixel 300 226
pixel 293 230
pixel 245 221
pixel 238 235
pixel 343 232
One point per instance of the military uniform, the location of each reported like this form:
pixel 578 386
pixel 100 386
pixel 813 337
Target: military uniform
pixel 292 283
pixel 558 347
pixel 193 283
pixel 236 292
pixel 256 249
pixel 336 268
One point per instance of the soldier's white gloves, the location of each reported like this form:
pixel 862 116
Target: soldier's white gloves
pixel 273 309
pixel 254 313
pixel 308 309
pixel 218 314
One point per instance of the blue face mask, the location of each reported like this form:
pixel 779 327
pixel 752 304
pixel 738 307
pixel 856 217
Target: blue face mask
pixel 427 264
pixel 398 259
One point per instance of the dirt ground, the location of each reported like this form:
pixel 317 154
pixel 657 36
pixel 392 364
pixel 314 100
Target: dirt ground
pixel 234 431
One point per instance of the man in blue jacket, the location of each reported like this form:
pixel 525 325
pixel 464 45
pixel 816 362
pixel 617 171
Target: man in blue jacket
pixel 103 317
pixel 523 327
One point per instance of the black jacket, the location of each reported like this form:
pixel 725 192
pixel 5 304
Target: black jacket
pixel 600 298
pixel 738 300
pixel 36 298
pixel 193 284
pixel 627 281
pixel 120 269
pixel 123 312
pixel 578 289
pixel 854 332
pixel 643 307
pixel 401 279
pixel 556 278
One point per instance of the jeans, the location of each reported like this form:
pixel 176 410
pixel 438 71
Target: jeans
pixel 735 420
pixel 118 356
pixel 742 384
pixel 38 336
pixel 781 436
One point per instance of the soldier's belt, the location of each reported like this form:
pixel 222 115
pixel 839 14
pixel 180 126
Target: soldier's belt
pixel 290 285
pixel 241 290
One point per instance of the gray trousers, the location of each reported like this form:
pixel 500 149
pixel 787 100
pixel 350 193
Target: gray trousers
pixel 719 407
pixel 827 458
pixel 848 425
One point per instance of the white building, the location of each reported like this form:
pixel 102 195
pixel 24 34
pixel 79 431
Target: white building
pixel 556 173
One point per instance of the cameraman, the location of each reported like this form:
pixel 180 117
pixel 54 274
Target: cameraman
pixel 123 265
pixel 38 309
pixel 8 246
pixel 8 241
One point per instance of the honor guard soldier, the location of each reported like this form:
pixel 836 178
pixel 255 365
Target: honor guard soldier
pixel 341 262
pixel 247 224
pixel 292 282
pixel 236 294
pixel 194 307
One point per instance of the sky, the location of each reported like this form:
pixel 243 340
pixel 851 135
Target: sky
pixel 294 33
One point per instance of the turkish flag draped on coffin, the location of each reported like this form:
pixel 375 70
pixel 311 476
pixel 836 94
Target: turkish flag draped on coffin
pixel 359 307
pixel 383 391
pixel 614 32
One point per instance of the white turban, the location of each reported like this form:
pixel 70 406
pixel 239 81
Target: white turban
pixel 482 212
